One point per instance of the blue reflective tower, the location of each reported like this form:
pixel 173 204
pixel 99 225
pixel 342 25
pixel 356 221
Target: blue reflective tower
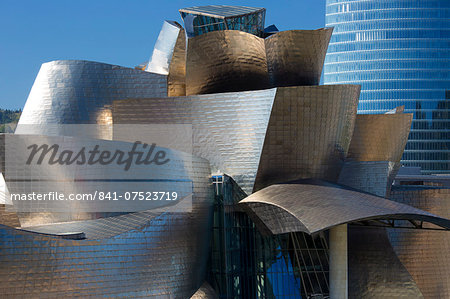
pixel 399 52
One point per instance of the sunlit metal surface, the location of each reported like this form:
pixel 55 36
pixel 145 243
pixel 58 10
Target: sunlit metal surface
pixel 380 137
pixel 158 253
pixel 295 57
pixel 77 91
pixel 176 81
pixel 377 144
pixel 165 44
pixel 374 177
pixel 169 57
pixel 425 254
pixel 228 128
pixel 226 60
pixel 102 228
pixel 312 206
pixel 158 256
pixel 309 133
pixel 205 292
pixel 374 271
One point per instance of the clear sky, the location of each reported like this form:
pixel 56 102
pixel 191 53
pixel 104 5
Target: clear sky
pixel 112 31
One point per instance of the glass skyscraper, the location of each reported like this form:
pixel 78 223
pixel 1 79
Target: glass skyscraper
pixel 399 52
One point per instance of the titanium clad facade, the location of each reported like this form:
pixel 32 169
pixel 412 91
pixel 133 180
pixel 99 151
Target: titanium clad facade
pixel 309 133
pixel 380 137
pixel 158 253
pixel 398 51
pixel 240 120
pixel 176 80
pixel 295 57
pixel 224 61
pixel 425 254
pixel 164 257
pixel 374 177
pixel 79 92
pixel 228 128
pixel 374 270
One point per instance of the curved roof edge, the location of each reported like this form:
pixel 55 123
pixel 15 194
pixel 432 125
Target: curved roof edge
pixel 312 206
pixel 101 228
pixel 84 61
pixel 322 29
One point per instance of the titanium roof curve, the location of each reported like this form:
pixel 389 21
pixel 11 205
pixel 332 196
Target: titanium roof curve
pixel 312 206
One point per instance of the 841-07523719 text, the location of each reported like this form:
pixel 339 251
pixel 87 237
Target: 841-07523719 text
pixel 98 195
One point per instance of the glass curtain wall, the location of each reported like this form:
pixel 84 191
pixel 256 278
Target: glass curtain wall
pixel 247 264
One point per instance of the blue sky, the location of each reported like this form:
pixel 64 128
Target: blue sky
pixel 112 31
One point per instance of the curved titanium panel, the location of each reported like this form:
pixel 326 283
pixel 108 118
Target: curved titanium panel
pixel 426 254
pixel 309 133
pixel 374 271
pixel 159 256
pixel 176 81
pixel 314 206
pixel 226 60
pixel 295 57
pixel 380 137
pixel 228 128
pixel 164 47
pixel 79 92
pixel 374 177
pixel 169 57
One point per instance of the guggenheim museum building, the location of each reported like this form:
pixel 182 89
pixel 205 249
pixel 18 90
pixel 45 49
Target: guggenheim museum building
pixel 275 187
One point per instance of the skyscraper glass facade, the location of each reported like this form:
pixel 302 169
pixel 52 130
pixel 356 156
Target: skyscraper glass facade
pixel 399 52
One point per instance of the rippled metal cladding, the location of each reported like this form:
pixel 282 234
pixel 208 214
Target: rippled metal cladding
pixel 295 57
pixel 227 60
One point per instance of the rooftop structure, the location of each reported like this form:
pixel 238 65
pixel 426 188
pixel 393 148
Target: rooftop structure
pixel 202 19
